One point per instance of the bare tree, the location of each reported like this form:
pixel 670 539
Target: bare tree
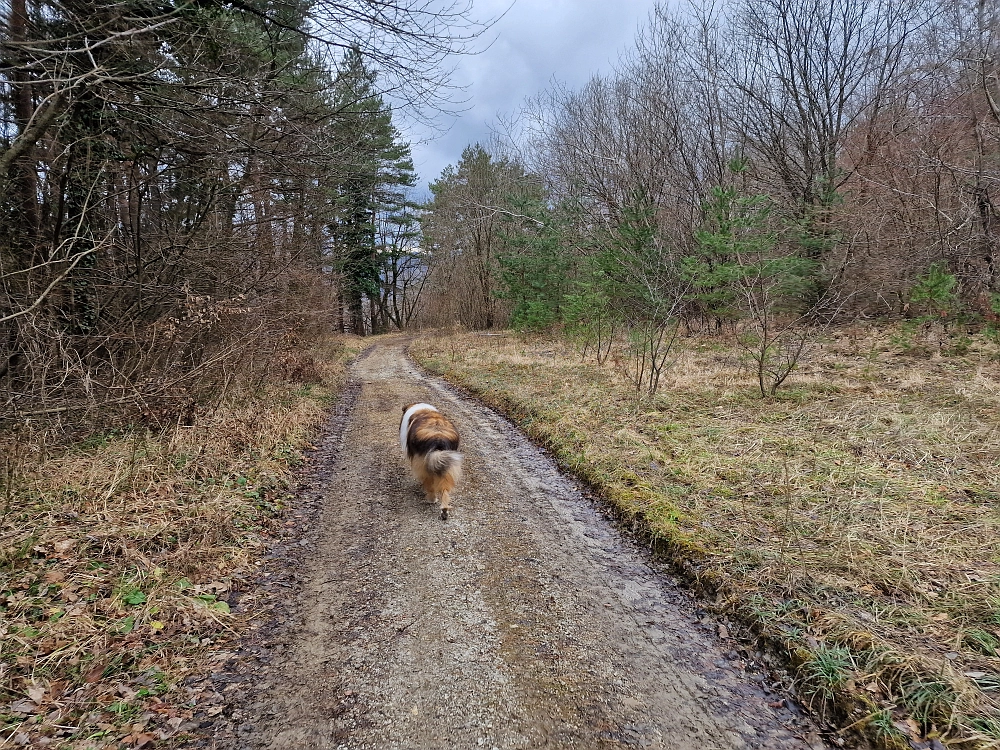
pixel 403 269
pixel 166 178
pixel 802 73
pixel 462 229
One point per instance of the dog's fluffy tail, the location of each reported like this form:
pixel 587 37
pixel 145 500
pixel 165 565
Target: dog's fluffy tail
pixel 445 462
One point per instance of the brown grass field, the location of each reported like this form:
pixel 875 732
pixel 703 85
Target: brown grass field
pixel 851 523
pixel 117 553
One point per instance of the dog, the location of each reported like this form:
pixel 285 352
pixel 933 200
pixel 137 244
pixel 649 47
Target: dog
pixel 430 442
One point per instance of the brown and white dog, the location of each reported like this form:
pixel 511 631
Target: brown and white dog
pixel 430 442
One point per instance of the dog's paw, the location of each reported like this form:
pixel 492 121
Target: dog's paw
pixel 444 514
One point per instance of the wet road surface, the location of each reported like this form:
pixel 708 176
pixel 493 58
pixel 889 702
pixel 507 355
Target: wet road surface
pixel 524 621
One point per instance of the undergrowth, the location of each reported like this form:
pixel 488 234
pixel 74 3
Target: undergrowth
pixel 851 522
pixel 118 553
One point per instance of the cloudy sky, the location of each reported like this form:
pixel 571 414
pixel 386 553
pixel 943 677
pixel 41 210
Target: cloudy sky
pixel 535 42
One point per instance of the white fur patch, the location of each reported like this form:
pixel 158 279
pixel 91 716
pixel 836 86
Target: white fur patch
pixel 404 426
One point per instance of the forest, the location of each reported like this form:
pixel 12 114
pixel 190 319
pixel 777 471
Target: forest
pixel 744 285
pixel 190 187
pixel 773 166
pixel 178 175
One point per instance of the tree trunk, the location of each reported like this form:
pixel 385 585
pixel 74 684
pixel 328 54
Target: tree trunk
pixel 24 177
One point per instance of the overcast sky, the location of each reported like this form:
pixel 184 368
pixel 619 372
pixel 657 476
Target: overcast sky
pixel 535 42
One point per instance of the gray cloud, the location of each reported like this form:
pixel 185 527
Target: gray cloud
pixel 535 42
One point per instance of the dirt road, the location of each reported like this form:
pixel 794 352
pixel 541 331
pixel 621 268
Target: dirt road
pixel 524 621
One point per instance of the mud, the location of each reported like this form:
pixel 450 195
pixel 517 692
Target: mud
pixel 524 621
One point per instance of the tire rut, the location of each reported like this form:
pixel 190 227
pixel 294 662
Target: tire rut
pixel 524 621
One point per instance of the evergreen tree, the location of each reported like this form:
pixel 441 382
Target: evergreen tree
pixel 161 156
pixel 379 169
pixel 537 261
pixel 745 268
pixel 466 226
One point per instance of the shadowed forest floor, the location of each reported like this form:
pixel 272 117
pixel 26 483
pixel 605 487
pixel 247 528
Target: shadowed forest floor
pixel 123 557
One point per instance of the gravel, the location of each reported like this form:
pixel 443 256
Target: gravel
pixel 526 620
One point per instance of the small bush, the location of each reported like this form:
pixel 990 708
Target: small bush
pixel 935 291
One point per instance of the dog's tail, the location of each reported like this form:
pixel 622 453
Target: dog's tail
pixel 444 462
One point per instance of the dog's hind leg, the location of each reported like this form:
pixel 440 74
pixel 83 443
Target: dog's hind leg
pixel 445 505
pixel 430 491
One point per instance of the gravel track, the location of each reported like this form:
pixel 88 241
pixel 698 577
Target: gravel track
pixel 524 621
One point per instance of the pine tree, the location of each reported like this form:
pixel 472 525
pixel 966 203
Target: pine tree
pixel 378 171
pixel 464 229
pixel 537 261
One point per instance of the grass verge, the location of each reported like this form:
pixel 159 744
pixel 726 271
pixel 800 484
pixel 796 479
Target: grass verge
pixel 118 552
pixel 852 523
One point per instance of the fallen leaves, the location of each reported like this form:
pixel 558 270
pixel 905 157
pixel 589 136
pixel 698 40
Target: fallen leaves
pixel 95 673
pixel 139 740
pixel 91 599
pixel 23 707
pixel 63 548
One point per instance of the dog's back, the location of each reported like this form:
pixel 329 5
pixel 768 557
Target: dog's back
pixel 430 441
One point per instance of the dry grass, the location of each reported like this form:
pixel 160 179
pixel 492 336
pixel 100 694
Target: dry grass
pixel 853 521
pixel 117 553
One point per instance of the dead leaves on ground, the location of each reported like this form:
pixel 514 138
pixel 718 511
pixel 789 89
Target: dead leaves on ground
pixel 117 563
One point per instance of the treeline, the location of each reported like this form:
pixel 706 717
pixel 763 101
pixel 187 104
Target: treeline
pixel 189 189
pixel 765 165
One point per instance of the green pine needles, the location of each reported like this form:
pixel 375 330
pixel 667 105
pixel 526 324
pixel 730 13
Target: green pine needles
pixel 746 268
